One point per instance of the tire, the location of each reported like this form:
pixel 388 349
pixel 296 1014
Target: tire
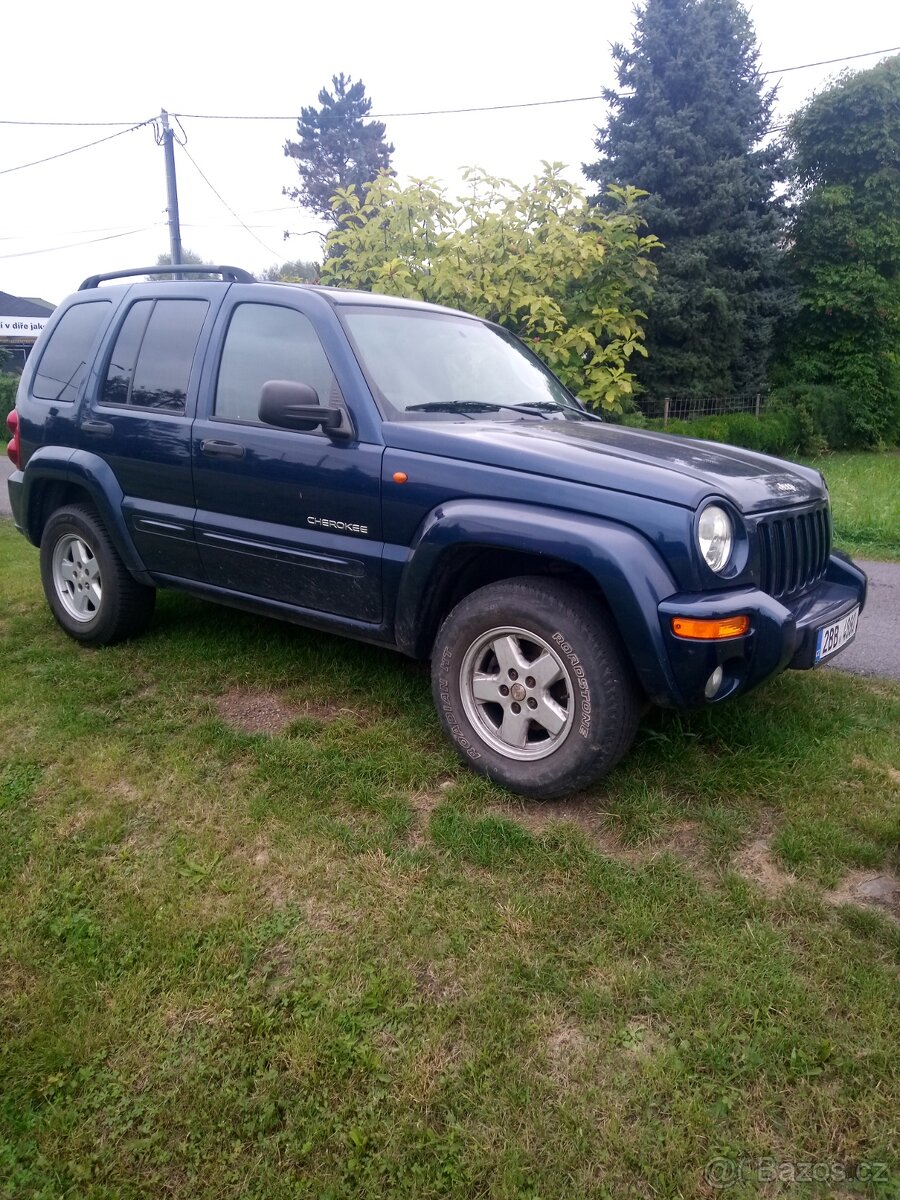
pixel 556 652
pixel 90 591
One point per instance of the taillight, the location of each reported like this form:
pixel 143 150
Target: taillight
pixel 14 449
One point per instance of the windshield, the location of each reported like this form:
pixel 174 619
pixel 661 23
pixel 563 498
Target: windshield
pixel 422 362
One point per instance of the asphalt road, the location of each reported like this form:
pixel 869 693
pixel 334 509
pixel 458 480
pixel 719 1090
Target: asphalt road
pixel 876 650
pixel 876 647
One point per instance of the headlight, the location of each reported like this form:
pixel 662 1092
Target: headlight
pixel 715 536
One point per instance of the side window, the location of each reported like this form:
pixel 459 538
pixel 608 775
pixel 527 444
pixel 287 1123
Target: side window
pixel 68 354
pixel 124 356
pixel 265 341
pixel 151 361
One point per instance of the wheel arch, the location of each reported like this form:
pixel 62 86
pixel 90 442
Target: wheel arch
pixel 53 480
pixel 467 544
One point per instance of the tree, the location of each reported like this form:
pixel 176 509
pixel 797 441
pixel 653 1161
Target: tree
pixel 567 278
pixel 338 148
pixel 297 271
pixel 686 126
pixel 844 249
pixel 188 257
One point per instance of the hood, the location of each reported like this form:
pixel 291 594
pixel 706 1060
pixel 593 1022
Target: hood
pixel 666 467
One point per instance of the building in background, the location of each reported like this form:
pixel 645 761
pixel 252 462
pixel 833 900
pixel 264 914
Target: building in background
pixel 21 319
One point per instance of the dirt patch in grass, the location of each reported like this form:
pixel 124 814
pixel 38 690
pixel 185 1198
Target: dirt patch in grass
pixel 266 712
pixel 681 840
pixel 566 1049
pixel 439 986
pixel 255 712
pixel 423 805
pixel 865 764
pixel 756 863
pixel 868 889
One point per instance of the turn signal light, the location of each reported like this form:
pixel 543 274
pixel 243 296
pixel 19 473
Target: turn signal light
pixel 710 631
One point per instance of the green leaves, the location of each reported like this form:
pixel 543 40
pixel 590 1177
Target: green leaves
pixel 536 259
pixel 845 250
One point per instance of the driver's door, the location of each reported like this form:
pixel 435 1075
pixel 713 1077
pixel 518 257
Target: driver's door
pixel 281 514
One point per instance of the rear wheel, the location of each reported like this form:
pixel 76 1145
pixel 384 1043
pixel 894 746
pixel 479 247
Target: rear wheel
pixel 90 591
pixel 533 686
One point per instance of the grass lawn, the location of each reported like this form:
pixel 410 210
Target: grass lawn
pixel 261 936
pixel 865 502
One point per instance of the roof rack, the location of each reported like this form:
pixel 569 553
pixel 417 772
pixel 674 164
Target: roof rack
pixel 229 274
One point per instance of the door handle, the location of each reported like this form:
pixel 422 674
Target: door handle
pixel 97 428
pixel 217 449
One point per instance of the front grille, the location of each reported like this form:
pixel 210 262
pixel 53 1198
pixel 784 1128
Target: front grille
pixel 793 550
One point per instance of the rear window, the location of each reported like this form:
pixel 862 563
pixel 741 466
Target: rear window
pixel 150 365
pixel 69 352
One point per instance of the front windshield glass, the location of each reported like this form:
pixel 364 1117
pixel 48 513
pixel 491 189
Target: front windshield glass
pixel 422 362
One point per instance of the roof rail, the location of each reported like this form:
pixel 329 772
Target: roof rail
pixel 229 274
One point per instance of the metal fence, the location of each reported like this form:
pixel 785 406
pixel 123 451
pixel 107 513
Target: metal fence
pixel 689 408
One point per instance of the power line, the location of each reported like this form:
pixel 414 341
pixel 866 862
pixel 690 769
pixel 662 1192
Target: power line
pixel 19 237
pixel 220 197
pixel 828 62
pixel 72 245
pixel 433 112
pixel 75 149
pixel 443 112
pixel 69 124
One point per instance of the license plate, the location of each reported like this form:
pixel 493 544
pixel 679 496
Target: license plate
pixel 832 638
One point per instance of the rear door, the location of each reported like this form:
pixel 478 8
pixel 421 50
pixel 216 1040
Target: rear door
pixel 281 514
pixel 140 414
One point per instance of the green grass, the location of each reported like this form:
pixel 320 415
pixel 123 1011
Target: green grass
pixel 329 962
pixel 865 501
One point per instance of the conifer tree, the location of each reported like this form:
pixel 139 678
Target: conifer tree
pixel 337 147
pixel 687 124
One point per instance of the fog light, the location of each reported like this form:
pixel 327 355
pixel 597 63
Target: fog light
pixel 713 683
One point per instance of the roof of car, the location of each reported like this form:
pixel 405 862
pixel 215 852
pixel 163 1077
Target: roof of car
pixel 336 295
pixel 333 295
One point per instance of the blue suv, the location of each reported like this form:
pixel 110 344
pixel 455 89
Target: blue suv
pixel 414 477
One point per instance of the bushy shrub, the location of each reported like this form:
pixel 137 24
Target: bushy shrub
pixel 8 387
pixel 828 412
pixel 781 433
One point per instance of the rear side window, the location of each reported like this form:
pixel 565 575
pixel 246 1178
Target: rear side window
pixel 150 365
pixel 69 352
pixel 265 341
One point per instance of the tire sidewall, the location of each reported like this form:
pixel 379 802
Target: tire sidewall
pixel 583 752
pixel 66 523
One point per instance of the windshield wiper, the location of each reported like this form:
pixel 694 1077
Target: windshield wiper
pixel 543 407
pixel 539 409
pixel 466 407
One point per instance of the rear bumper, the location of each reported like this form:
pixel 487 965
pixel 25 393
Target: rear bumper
pixel 781 634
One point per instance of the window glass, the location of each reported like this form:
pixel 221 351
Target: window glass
pixel 124 356
pixel 166 354
pixel 68 355
pixel 265 341
pixel 433 362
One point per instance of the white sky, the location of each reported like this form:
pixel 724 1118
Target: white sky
pixel 98 60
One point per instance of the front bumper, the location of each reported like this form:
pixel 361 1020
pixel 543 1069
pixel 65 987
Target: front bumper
pixel 782 634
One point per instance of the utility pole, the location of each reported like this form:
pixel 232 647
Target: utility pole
pixel 171 191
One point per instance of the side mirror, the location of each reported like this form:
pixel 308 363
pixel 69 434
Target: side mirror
pixel 290 405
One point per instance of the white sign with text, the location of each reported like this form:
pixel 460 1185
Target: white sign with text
pixel 14 327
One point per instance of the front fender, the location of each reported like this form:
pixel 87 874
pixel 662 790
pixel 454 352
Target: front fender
pixel 51 464
pixel 626 567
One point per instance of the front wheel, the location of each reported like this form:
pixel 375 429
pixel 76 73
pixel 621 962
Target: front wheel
pixel 88 587
pixel 533 687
